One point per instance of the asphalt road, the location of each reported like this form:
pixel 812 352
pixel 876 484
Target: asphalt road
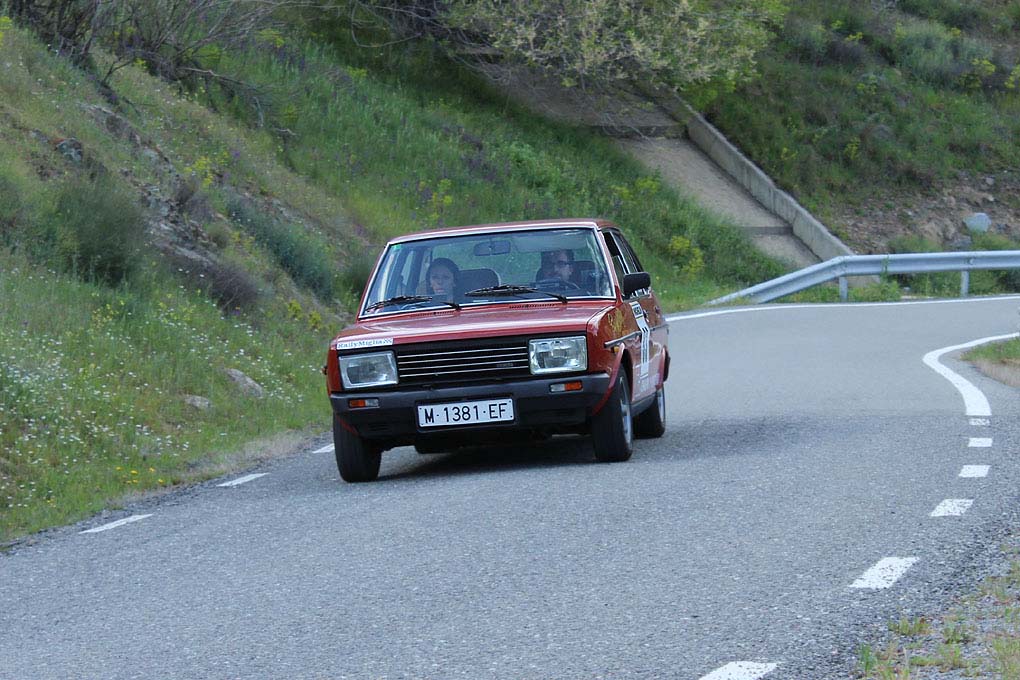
pixel 804 446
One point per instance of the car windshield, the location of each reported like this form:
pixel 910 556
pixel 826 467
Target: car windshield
pixel 507 266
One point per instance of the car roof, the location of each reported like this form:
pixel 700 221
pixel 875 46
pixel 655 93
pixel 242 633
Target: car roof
pixel 503 226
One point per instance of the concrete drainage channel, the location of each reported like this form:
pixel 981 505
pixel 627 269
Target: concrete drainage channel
pixel 692 156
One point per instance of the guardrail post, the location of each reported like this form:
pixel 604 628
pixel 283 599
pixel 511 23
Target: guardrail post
pixel 844 294
pixel 964 283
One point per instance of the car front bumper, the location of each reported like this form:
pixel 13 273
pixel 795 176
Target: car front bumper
pixel 536 408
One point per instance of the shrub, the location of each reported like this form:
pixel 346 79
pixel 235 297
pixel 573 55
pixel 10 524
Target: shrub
pixel 808 40
pixel 232 287
pixel 1012 16
pixel 354 276
pixel 938 55
pixel 687 258
pixel 1006 280
pixel 95 229
pixel 951 12
pixel 303 255
pixel 11 209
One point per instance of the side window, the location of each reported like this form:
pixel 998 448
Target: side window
pixel 614 254
pixel 628 254
pixel 624 259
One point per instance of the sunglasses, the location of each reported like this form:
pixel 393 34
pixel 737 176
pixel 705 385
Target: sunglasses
pixel 563 263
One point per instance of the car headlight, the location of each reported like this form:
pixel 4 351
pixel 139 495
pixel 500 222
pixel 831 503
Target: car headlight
pixel 558 355
pixel 368 370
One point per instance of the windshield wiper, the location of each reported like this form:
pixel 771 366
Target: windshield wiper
pixel 408 300
pixel 511 289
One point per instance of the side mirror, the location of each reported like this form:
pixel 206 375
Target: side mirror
pixel 634 282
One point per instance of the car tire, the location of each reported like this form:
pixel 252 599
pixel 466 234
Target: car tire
pixel 612 429
pixel 651 423
pixel 357 459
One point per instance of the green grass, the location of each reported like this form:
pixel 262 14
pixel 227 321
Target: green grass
pixel 92 387
pixel 857 101
pixel 999 352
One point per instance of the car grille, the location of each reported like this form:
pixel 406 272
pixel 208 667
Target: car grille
pixel 463 362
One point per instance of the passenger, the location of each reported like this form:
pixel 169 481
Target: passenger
pixel 441 278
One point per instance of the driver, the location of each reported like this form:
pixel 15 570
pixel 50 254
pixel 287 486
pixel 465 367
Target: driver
pixel 557 264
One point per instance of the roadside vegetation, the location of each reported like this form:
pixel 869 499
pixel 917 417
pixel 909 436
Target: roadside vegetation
pixel 869 110
pixel 978 636
pixel 156 232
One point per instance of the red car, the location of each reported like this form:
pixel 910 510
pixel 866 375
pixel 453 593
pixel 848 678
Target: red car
pixel 499 332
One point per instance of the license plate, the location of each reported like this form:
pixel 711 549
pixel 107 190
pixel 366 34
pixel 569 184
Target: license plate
pixel 466 413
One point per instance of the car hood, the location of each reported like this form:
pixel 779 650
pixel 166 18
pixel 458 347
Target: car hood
pixel 518 318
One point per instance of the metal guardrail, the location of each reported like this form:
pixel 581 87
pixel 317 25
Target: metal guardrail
pixel 842 268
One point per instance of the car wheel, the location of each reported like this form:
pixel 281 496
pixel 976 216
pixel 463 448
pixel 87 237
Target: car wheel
pixel 612 429
pixel 357 459
pixel 651 423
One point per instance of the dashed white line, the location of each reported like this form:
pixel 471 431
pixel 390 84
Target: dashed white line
pixel 980 422
pixel 885 573
pixel 114 525
pixel 979 442
pixel 952 507
pixel 974 470
pixel 243 480
pixel 741 670
pixel 324 449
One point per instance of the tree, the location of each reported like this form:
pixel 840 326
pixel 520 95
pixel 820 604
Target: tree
pixel 678 44
pixel 67 25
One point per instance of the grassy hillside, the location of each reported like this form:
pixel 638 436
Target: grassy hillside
pixel 890 120
pixel 153 237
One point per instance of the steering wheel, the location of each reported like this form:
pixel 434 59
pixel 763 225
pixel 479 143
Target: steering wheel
pixel 556 283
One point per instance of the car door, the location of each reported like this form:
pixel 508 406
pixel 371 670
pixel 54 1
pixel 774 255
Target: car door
pixel 647 349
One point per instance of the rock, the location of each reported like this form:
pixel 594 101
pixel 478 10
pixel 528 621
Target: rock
pixel 247 385
pixel 989 181
pixel 973 196
pixel 196 402
pixel 961 243
pixel 937 229
pixel 979 222
pixel 71 149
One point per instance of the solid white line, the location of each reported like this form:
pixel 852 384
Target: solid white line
pixel 243 480
pixel 973 399
pixel 771 307
pixel 114 525
pixel 979 442
pixel 885 573
pixel 324 449
pixel 952 507
pixel 974 470
pixel 740 670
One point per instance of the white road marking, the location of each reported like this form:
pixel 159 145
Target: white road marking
pixel 974 400
pixel 885 573
pixel 979 442
pixel 114 525
pixel 771 307
pixel 324 449
pixel 243 480
pixel 980 422
pixel 974 470
pixel 952 507
pixel 740 670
